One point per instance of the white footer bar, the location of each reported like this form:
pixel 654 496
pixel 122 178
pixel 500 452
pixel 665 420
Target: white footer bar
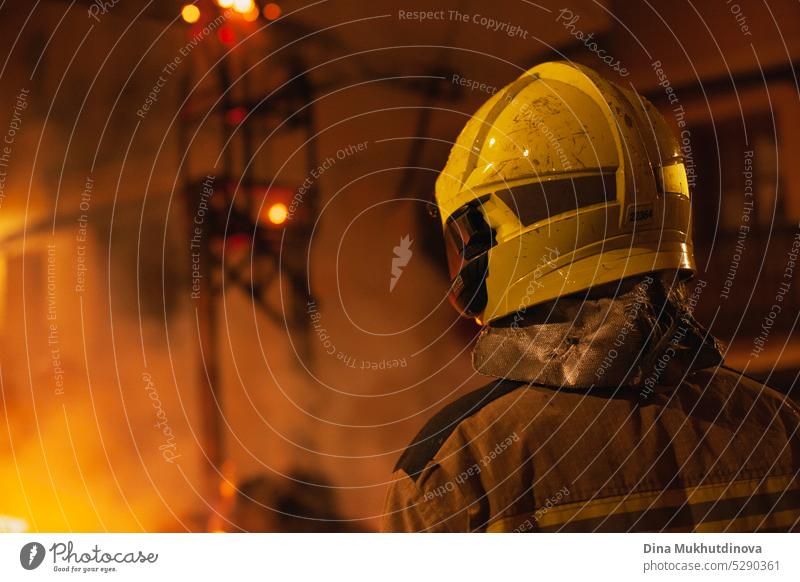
pixel 381 557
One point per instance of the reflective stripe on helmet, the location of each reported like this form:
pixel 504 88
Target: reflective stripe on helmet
pixel 541 200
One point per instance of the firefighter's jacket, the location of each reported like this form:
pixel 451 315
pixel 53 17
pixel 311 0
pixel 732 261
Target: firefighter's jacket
pixel 714 451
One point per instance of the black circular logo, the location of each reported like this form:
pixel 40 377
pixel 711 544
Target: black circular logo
pixel 31 555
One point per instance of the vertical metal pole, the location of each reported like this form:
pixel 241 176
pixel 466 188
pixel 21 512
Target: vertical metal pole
pixel 209 397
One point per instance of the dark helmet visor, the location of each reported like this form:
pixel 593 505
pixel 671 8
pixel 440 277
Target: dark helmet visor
pixel 468 238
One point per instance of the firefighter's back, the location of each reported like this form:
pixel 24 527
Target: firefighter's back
pixel 716 453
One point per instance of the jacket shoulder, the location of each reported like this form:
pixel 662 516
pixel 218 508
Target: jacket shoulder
pixel 437 430
pixel 727 379
pixel 733 376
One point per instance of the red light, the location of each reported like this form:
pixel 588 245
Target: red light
pixel 236 115
pixel 272 11
pixel 237 243
pixel 226 35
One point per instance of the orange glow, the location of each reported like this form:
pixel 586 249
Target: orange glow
pixel 272 11
pixel 251 14
pixel 190 13
pixel 226 489
pixel 224 3
pixel 278 213
pixel 243 6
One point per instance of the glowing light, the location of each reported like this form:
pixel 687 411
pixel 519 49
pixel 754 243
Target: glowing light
pixel 278 213
pixel 224 3
pixel 236 115
pixel 491 142
pixel 10 524
pixel 243 6
pixel 190 13
pixel 272 11
pixel 237 244
pixel 250 15
pixel 525 152
pixel 226 35
pixel 227 489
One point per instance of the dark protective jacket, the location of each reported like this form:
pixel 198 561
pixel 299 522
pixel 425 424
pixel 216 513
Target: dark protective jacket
pixel 710 450
pixel 719 452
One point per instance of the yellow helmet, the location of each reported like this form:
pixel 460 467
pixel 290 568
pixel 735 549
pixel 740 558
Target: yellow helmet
pixel 560 182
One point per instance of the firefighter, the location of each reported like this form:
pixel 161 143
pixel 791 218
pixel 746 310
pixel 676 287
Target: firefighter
pixel 566 214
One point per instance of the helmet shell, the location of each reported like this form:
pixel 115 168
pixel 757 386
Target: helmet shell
pixel 562 181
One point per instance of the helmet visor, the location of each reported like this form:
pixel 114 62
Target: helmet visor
pixel 468 237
